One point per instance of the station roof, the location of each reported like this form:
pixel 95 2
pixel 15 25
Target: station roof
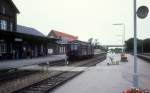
pixel 27 37
pixel 62 35
pixel 29 31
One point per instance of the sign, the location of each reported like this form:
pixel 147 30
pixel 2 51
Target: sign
pixel 142 12
pixel 18 39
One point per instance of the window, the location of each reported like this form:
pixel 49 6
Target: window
pixel 72 47
pixel 11 26
pixel 75 47
pixel 3 48
pixel 60 50
pixel 3 24
pixel 64 50
pixel 3 10
pixel 42 48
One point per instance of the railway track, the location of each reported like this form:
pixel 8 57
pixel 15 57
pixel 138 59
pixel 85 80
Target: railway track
pixel 46 85
pixel 95 61
pixel 49 84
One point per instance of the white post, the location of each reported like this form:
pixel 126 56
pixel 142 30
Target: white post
pixel 135 75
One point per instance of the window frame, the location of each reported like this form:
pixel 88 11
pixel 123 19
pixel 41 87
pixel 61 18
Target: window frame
pixel 3 24
pixel 3 10
pixel 3 48
pixel 11 26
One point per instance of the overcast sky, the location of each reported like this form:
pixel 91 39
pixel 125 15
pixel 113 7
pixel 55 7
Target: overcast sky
pixel 84 18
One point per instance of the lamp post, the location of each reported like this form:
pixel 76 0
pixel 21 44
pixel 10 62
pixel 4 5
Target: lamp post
pixel 123 34
pixel 142 13
pixel 135 75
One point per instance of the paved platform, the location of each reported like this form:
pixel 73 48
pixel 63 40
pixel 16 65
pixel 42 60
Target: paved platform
pixel 56 68
pixel 27 62
pixel 107 79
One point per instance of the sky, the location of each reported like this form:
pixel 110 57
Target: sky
pixel 84 18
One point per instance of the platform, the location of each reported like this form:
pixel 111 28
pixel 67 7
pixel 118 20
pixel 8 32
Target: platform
pixel 55 68
pixel 108 79
pixel 9 64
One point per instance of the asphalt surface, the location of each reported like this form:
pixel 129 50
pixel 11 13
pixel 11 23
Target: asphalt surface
pixel 107 79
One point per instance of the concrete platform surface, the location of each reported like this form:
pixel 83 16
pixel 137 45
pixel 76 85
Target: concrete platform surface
pixel 55 68
pixel 107 79
pixel 27 62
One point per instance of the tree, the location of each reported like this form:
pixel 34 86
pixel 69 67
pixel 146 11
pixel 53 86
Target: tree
pixel 146 45
pixel 90 40
pixel 96 43
pixel 129 45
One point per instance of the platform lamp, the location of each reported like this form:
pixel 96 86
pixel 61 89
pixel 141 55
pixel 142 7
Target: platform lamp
pixel 142 13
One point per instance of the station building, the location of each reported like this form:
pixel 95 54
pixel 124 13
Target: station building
pixel 18 41
pixel 62 40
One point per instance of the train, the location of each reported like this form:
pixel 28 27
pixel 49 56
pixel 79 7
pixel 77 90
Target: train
pixel 79 50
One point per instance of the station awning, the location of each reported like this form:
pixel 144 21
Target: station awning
pixel 26 37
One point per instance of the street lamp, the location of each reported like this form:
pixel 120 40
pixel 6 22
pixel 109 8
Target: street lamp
pixel 135 75
pixel 123 34
pixel 142 13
